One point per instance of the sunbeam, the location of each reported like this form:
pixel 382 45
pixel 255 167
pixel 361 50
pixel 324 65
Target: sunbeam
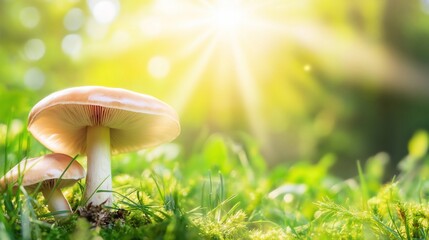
pixel 235 32
pixel 249 92
pixel 193 46
pixel 189 83
pixel 227 16
pixel 241 65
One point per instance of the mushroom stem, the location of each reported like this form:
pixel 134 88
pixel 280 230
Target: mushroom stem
pixel 56 203
pixel 98 175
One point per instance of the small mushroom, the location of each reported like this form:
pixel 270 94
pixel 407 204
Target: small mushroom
pixel 46 172
pixel 98 122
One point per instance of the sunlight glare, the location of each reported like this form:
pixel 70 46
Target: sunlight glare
pixel 191 79
pixel 249 93
pixel 227 16
pixel 167 6
pixel 159 67
pixel 218 32
pixel 104 11
pixel 151 27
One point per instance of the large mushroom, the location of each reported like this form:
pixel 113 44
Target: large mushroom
pixel 49 173
pixel 98 122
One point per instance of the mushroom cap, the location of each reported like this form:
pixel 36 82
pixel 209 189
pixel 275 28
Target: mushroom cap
pixel 136 121
pixel 44 168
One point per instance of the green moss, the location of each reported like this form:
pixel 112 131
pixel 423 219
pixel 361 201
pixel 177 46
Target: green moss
pixel 227 198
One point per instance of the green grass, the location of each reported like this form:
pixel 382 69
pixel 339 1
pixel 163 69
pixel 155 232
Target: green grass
pixel 224 190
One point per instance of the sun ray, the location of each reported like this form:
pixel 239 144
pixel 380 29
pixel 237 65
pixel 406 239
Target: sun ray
pixel 205 3
pixel 249 92
pixel 238 33
pixel 196 43
pixel 189 83
pixel 226 22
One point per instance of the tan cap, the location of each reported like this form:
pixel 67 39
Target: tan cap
pixel 136 121
pixel 40 169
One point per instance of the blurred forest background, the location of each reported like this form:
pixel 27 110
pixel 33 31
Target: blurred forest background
pixel 303 78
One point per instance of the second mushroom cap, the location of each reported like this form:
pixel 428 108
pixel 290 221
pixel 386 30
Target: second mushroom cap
pixel 50 167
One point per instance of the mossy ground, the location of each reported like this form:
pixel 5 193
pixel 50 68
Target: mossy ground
pixel 224 190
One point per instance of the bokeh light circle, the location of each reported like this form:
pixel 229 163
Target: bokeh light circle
pixel 159 67
pixel 29 17
pixel 34 78
pixel 34 49
pixel 74 19
pixel 72 44
pixel 104 11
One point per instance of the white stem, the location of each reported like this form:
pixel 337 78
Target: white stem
pixel 98 175
pixel 56 203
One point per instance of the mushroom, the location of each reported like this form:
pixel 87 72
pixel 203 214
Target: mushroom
pixel 100 121
pixel 52 172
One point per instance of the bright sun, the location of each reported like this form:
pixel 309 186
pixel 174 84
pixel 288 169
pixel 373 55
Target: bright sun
pixel 227 16
pixel 227 28
pixel 231 39
pixel 241 64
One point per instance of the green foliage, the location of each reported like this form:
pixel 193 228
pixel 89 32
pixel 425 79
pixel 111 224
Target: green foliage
pixel 326 83
pixel 224 190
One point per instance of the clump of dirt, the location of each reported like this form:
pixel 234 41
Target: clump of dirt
pixel 99 216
